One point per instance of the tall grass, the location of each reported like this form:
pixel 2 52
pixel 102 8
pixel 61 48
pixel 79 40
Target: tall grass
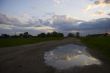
pixel 102 44
pixel 7 42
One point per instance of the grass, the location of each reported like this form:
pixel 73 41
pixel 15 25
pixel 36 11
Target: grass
pixel 7 42
pixel 102 44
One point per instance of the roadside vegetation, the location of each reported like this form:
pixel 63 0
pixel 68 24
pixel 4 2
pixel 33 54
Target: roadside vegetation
pixel 100 43
pixel 8 42
pixel 25 38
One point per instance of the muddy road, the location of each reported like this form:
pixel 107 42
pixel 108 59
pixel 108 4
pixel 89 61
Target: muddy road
pixel 29 59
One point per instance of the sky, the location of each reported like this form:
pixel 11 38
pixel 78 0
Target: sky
pixel 36 16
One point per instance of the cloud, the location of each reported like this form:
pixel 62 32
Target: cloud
pixel 21 20
pixel 97 24
pixel 94 6
pixel 100 7
pixel 108 14
pixel 60 23
pixel 99 13
pixel 3 26
pixel 107 1
pixel 102 2
pixel 98 3
pixel 42 28
pixel 23 23
pixel 4 19
pixel 57 2
pixel 65 23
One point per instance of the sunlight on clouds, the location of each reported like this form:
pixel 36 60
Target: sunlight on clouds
pixel 100 13
pixel 62 58
pixel 93 6
pixel 70 17
pixel 45 28
pixel 42 28
pixel 89 7
pixel 4 26
pixel 98 8
pixel 98 3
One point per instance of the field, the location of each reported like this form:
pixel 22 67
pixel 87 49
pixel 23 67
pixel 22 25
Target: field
pixel 30 58
pixel 7 42
pixel 101 44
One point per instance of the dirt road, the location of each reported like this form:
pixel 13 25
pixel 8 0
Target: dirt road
pixel 29 59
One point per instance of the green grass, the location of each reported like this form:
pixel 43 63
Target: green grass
pixel 102 44
pixel 7 42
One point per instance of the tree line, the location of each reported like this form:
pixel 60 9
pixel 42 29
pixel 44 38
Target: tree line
pixel 41 35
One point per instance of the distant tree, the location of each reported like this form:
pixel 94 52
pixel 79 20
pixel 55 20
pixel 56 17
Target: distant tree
pixel 60 34
pixel 106 34
pixel 70 35
pixel 14 36
pixel 98 35
pixel 41 35
pixel 49 35
pixel 5 36
pixel 21 35
pixel 54 34
pixel 26 34
pixel 57 34
pixel 77 34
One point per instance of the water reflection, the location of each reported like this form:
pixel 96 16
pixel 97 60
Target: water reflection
pixel 71 55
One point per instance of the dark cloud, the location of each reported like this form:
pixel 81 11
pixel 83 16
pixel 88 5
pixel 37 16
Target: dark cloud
pixel 98 24
pixel 65 23
pixel 107 1
pixel 102 1
pixel 97 2
pixel 4 19
pixel 60 23
pixel 108 14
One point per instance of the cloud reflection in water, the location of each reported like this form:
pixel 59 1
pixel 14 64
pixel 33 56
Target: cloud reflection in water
pixel 71 55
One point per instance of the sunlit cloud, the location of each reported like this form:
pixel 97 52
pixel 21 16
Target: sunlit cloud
pixel 89 7
pixel 43 28
pixel 98 3
pixel 98 8
pixel 94 6
pixel 100 13
pixel 3 26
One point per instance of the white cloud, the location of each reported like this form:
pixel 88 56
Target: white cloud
pixel 57 1
pixel 24 18
pixel 9 27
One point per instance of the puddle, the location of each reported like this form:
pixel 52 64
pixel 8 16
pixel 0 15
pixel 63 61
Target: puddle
pixel 71 55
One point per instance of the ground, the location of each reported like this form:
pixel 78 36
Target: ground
pixel 29 59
